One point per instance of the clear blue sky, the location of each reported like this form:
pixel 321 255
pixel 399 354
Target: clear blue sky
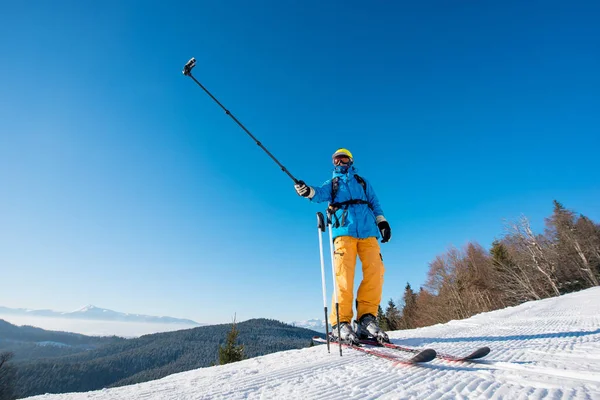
pixel 123 185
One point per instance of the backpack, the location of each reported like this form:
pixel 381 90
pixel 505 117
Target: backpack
pixel 333 207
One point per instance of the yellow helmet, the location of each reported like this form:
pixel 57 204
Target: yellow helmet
pixel 343 152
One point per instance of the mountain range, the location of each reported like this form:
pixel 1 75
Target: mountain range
pixel 313 324
pixel 91 312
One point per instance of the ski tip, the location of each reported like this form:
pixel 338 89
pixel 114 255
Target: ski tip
pixel 319 339
pixel 424 356
pixel 480 352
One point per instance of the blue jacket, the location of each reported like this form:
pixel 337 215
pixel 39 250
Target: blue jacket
pixel 359 221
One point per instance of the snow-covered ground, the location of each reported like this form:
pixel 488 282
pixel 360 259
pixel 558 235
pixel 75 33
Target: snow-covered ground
pixel 548 349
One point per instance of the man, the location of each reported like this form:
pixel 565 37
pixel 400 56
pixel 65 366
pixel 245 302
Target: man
pixel 357 220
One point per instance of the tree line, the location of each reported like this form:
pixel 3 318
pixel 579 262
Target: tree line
pixel 519 267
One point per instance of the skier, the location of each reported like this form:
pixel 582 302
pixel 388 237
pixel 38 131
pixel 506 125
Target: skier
pixel 357 220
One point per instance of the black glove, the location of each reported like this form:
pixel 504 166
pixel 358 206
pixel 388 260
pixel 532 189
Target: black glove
pixel 304 190
pixel 386 231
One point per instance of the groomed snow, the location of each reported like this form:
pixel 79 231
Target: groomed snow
pixel 548 349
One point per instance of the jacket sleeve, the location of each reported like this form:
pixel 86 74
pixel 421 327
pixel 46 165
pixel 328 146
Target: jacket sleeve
pixel 373 200
pixel 322 193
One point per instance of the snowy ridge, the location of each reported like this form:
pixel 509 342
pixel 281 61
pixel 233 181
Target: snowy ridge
pixel 91 312
pixel 317 325
pixel 548 349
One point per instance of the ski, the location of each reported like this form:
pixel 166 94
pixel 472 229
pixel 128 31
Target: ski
pixel 422 356
pixel 476 354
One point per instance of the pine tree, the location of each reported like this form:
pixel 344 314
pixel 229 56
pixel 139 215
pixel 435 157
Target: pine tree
pixel 230 352
pixel 381 320
pixel 500 257
pixel 392 316
pixel 573 254
pixel 409 312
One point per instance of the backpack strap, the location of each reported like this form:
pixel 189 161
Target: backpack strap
pixel 335 185
pixel 362 182
pixel 333 206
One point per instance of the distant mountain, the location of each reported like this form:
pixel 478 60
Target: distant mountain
pixel 58 362
pixel 91 312
pixel 314 324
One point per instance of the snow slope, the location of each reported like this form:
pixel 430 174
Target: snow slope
pixel 548 349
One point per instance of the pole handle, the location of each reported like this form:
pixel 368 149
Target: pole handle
pixel 320 221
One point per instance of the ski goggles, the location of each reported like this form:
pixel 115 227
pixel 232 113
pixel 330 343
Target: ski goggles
pixel 339 160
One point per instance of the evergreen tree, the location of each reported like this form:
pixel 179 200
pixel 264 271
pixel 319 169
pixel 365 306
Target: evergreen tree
pixel 392 316
pixel 409 312
pixel 500 256
pixel 381 320
pixel 572 251
pixel 230 351
pixel 511 281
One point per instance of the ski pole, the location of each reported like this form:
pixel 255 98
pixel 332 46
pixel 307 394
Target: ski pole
pixel 187 71
pixel 320 230
pixel 335 295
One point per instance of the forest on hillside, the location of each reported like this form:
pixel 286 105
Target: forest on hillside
pixel 520 266
pixel 93 363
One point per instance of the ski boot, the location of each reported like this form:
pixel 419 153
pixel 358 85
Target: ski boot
pixel 367 328
pixel 346 334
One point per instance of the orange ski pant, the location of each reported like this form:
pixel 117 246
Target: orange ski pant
pixel 368 296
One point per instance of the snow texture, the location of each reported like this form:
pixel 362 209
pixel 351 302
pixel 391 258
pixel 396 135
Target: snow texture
pixel 547 349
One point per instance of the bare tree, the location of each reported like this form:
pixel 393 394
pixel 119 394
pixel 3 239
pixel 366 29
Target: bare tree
pixel 536 250
pixel 576 243
pixel 427 306
pixel 463 282
pixel 513 280
pixel 519 267
pixel 442 281
pixel 484 278
pixel 589 234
